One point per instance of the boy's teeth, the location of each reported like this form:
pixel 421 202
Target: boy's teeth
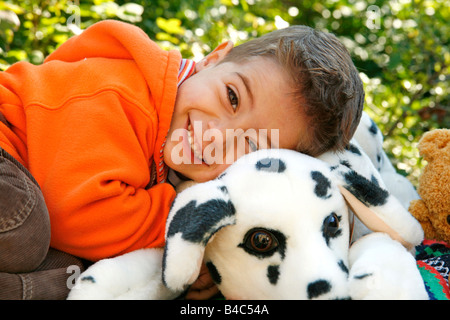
pixel 194 147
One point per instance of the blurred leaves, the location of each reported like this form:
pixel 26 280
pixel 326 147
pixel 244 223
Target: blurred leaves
pixel 400 47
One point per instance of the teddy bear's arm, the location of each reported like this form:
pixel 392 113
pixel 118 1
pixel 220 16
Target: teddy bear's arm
pixel 420 211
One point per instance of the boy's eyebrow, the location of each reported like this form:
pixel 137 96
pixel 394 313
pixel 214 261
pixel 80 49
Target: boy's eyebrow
pixel 246 82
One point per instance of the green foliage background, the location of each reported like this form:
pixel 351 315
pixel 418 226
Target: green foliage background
pixel 400 47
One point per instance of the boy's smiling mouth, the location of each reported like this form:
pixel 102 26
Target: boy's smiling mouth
pixel 194 146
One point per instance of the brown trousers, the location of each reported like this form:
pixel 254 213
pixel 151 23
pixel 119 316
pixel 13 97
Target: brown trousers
pixel 29 269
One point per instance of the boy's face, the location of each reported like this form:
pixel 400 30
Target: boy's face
pixel 226 110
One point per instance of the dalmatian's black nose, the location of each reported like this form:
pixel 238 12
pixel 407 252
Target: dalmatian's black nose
pixel 318 288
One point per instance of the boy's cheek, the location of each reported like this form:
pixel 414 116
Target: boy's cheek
pixel 168 154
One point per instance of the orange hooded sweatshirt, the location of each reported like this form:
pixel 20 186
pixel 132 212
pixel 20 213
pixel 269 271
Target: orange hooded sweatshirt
pixel 89 124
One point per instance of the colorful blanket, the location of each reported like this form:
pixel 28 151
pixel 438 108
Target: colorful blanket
pixel 433 261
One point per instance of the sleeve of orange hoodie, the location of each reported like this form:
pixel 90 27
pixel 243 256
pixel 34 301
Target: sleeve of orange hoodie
pixel 104 104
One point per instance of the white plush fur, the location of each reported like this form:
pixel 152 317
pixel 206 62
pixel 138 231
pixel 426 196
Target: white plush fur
pixel 133 276
pixel 394 273
pixel 398 185
pixel 373 267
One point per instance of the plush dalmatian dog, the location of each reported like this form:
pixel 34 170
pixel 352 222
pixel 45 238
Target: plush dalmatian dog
pixel 277 225
pixel 296 247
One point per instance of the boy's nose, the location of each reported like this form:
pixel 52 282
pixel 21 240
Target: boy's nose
pixel 212 124
pixel 222 137
pixel 215 125
pixel 215 132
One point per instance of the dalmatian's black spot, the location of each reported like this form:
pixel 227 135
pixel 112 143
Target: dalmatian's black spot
pixel 323 184
pixel 88 278
pixel 199 227
pixel 223 174
pixel 215 275
pixel 344 298
pixel 374 180
pixel 343 267
pixel 353 149
pixel 318 288
pixel 373 129
pixel 379 158
pixel 271 165
pixel 366 191
pixel 362 276
pixel 273 273
pixel 223 189
pixel 345 163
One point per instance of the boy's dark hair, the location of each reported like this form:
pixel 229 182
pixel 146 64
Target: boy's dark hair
pixel 325 81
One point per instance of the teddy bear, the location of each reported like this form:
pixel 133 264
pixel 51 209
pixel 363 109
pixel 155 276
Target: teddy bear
pixel 432 210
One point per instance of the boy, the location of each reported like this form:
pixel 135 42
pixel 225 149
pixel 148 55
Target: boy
pixel 98 124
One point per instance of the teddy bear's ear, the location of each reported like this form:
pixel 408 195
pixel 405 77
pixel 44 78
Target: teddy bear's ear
pixel 197 213
pixel 435 143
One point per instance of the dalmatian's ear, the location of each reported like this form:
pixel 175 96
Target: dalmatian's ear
pixel 196 215
pixel 370 219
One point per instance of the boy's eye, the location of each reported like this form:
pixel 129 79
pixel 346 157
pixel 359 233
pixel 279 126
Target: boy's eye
pixel 234 101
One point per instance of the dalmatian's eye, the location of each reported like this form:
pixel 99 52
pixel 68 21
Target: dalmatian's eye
pixel 331 225
pixel 260 241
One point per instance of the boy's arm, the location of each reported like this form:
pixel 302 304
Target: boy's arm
pixel 203 288
pixel 92 159
pixel 130 219
pixel 107 214
pixel 88 130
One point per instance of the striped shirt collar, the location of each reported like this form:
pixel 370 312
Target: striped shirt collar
pixel 187 68
pixel 159 169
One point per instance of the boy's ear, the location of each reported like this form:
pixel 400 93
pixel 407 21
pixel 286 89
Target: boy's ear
pixel 215 56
